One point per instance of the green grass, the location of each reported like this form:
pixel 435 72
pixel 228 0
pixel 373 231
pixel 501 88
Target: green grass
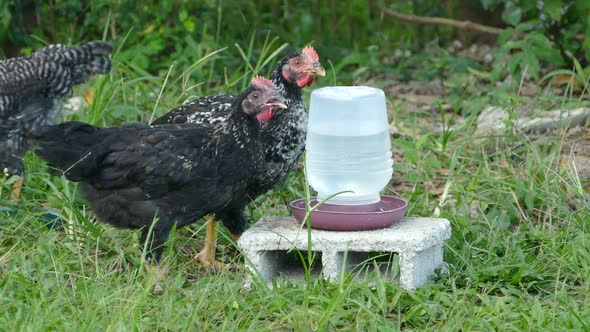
pixel 519 255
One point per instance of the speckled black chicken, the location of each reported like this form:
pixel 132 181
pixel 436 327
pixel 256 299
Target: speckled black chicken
pixel 174 174
pixel 31 90
pixel 283 137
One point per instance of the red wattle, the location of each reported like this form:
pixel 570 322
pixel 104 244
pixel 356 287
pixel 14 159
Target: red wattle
pixel 302 80
pixel 266 114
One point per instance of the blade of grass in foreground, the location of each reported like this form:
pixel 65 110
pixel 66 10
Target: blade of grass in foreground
pixel 307 220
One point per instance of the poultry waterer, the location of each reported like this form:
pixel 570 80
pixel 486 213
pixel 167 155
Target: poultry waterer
pixel 348 160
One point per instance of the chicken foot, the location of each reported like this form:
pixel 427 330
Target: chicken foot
pixel 16 189
pixel 207 255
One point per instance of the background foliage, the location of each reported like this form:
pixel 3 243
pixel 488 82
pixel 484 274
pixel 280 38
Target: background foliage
pixel 556 32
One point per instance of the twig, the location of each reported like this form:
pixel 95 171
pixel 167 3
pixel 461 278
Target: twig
pixel 462 25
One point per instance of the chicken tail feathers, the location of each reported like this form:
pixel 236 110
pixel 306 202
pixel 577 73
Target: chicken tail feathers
pixel 83 60
pixel 68 147
pixel 53 70
pixel 94 55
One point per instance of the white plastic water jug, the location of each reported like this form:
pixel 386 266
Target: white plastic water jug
pixel 348 145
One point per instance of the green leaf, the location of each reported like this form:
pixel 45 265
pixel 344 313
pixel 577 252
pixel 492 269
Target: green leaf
pixel 409 148
pixel 542 47
pixel 5 18
pixel 553 9
pixel 505 35
pixel 489 4
pixel 526 26
pixel 512 15
pixel 529 199
pixel 531 63
pixel 538 40
pixel 550 55
pixel 528 6
pixel 586 43
pixel 189 25
pixel 183 15
pixel 582 5
pixel 517 277
pixel 514 64
pixel 480 74
pixel 422 140
pixel 515 44
pixel 581 73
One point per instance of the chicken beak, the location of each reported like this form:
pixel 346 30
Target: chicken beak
pixel 317 69
pixel 277 105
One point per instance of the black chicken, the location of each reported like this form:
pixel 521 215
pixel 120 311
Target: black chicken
pixel 283 137
pixel 174 173
pixel 31 89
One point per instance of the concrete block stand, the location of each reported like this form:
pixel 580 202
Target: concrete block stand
pixel 416 243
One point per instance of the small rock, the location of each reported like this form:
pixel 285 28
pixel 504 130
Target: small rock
pixel 492 120
pixel 553 119
pixel 158 290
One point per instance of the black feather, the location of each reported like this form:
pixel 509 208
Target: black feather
pixel 31 89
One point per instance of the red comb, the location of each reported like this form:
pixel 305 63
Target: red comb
pixel 311 53
pixel 262 82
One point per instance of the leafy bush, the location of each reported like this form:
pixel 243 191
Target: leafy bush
pixel 184 31
pixel 551 32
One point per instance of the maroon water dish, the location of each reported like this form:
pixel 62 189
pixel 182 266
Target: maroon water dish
pixel 352 217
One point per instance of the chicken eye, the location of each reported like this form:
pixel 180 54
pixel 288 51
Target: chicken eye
pixel 255 96
pixel 297 62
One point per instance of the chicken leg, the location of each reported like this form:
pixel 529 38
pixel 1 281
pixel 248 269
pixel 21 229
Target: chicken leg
pixel 154 243
pixel 157 273
pixel 207 255
pixel 16 189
